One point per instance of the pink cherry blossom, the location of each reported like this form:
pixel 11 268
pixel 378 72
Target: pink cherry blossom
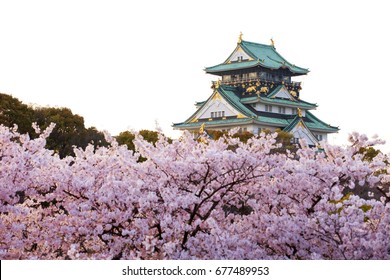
pixel 192 199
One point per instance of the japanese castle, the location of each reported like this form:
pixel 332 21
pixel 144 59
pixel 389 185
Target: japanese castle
pixel 255 91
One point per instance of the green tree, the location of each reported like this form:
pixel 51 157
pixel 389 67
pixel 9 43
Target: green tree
pixel 93 136
pixel 244 136
pixel 127 138
pixel 13 111
pixel 69 131
pixel 283 138
pixel 369 153
pixel 149 135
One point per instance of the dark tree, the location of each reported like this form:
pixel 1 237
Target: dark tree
pixel 12 111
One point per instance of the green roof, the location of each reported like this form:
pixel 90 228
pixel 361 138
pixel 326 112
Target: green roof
pixel 279 101
pixel 295 103
pixel 270 99
pixel 270 58
pixel 299 103
pixel 232 66
pixel 315 123
pixel 286 122
pixel 312 123
pixel 292 124
pixel 199 103
pixel 229 94
pixel 262 55
pixel 274 91
pixel 212 123
pixel 273 121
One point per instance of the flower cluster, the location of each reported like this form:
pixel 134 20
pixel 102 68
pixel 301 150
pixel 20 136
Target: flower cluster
pixel 191 199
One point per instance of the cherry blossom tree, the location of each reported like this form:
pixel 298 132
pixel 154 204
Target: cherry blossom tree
pixel 192 199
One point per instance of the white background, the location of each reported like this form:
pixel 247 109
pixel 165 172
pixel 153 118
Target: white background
pixel 278 270
pixel 129 64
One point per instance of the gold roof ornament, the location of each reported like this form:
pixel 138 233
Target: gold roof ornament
pixel 202 134
pixel 264 90
pixel 251 89
pixel 272 42
pixel 201 129
pixel 240 38
pixel 218 84
pixel 299 112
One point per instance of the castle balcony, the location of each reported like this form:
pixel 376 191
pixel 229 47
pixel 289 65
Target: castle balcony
pixel 291 85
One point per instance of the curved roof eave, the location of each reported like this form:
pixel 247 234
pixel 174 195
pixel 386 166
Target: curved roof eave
pixel 259 53
pixel 322 125
pixel 234 101
pixel 246 45
pixel 240 66
pixel 234 66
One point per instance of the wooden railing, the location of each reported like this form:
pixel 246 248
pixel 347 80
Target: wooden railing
pixel 239 81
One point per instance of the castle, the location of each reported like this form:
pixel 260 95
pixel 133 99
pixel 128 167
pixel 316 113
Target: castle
pixel 255 92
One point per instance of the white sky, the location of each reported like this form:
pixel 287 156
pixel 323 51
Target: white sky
pixel 127 64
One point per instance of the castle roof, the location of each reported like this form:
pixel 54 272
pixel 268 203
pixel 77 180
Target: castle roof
pixel 247 114
pixel 255 55
pixel 256 92
pixel 272 99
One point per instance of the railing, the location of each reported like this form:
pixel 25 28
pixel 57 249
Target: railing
pixel 262 81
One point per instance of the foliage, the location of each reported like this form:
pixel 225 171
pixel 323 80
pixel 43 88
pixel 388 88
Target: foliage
pixel 68 132
pixel 127 138
pixel 13 111
pixel 285 139
pixel 282 137
pixel 105 204
pixel 244 136
pixel 369 153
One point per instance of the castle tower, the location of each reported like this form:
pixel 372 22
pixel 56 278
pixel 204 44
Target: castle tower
pixel 255 91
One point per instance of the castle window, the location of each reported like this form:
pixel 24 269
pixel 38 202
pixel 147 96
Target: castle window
pixel 217 114
pixel 253 75
pixel 295 140
pixel 268 108
pixel 226 78
pixel 282 110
